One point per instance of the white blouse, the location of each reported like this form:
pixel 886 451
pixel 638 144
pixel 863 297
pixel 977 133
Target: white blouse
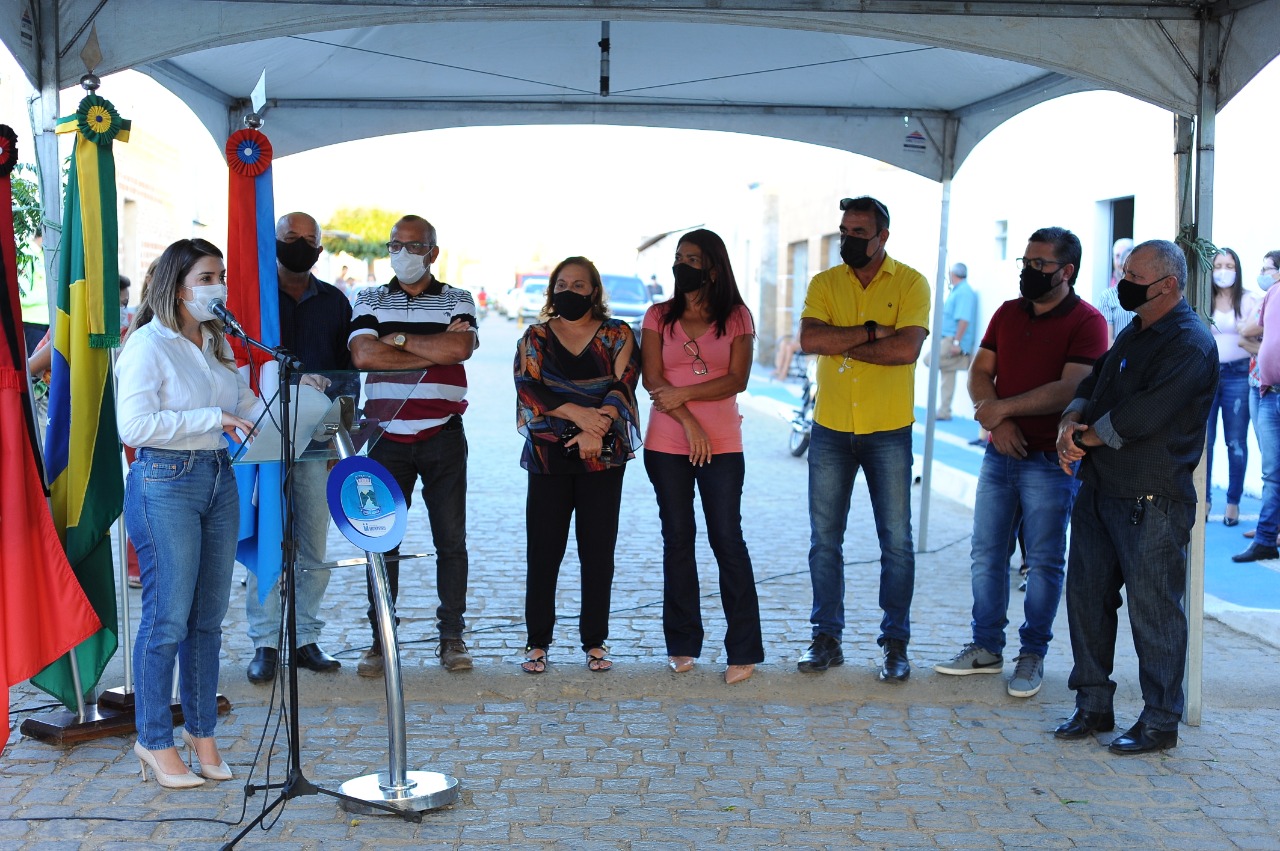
pixel 171 395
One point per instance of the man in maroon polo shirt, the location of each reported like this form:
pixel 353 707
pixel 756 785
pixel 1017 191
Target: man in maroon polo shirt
pixel 1036 350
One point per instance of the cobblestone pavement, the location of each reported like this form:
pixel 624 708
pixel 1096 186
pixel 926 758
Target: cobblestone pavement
pixel 642 759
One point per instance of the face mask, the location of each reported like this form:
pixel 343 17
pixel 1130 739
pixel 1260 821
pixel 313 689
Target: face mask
pixel 198 307
pixel 409 268
pixel 297 256
pixel 1131 295
pixel 853 251
pixel 1224 278
pixel 1265 281
pixel 688 279
pixel 1033 284
pixel 572 306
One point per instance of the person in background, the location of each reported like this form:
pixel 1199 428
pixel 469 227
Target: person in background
pixel 575 378
pixel 179 399
pixel 315 321
pixel 1109 302
pixel 1264 406
pixel 1232 308
pixel 959 334
pixel 696 351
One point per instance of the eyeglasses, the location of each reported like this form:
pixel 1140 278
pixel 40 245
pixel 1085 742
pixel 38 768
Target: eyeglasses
pixel 418 248
pixel 1037 263
pixel 865 204
pixel 699 365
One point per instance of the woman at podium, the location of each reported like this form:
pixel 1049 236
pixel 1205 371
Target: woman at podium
pixel 180 399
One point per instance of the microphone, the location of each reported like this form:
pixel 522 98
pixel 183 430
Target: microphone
pixel 219 309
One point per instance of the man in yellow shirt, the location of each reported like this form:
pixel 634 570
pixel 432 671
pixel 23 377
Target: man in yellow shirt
pixel 867 319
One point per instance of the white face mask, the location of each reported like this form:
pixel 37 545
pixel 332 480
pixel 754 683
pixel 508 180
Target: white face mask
pixel 409 268
pixel 1224 278
pixel 198 307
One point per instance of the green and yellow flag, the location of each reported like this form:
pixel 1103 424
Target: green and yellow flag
pixel 82 447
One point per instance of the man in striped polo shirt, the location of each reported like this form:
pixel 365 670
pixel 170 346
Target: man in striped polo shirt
pixel 416 322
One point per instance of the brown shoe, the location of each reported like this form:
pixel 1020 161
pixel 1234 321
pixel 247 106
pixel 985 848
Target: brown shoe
pixel 453 655
pixel 370 664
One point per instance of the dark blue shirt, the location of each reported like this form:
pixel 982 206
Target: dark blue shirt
pixel 316 328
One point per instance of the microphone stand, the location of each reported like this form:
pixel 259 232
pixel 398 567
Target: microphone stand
pixel 295 783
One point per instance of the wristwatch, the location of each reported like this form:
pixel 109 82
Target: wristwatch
pixel 870 325
pixel 1077 437
pixel 399 340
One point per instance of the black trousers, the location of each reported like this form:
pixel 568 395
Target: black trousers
pixel 593 499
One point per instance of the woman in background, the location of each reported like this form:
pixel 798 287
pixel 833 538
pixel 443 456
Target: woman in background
pixel 696 350
pixel 575 377
pixel 179 396
pixel 1232 308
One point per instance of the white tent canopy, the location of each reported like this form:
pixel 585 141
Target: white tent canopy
pixel 875 77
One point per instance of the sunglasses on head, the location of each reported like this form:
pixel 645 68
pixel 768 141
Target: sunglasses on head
pixel 865 204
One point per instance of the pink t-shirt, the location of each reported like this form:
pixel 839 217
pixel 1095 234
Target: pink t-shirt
pixel 1269 354
pixel 719 419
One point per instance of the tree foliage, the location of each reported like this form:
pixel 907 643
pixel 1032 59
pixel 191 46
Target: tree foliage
pixel 361 232
pixel 27 220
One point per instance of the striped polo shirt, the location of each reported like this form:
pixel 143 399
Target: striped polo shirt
pixel 441 394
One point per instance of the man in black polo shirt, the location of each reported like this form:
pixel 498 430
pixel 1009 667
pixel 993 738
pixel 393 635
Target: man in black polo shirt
pixel 1138 422
pixel 315 320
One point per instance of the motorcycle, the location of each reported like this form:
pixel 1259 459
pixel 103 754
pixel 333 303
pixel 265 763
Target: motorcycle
pixel 802 421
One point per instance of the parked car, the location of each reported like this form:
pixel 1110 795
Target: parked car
pixel 628 299
pixel 533 295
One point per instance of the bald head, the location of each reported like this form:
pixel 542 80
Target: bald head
pixel 293 226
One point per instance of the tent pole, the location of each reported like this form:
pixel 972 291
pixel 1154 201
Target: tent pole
pixel 43 113
pixel 935 343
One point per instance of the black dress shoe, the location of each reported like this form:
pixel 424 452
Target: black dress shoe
pixel 1142 739
pixel 263 667
pixel 311 657
pixel 1082 724
pixel 823 653
pixel 1256 552
pixel 895 668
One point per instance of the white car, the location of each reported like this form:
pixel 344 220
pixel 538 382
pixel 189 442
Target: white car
pixel 533 297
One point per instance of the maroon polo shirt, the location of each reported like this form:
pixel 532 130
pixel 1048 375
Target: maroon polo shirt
pixel 1031 351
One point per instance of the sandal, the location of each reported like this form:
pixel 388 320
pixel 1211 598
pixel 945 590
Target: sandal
pixel 534 664
pixel 598 661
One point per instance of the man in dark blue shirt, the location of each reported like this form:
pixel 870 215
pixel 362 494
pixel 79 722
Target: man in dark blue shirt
pixel 1138 422
pixel 315 320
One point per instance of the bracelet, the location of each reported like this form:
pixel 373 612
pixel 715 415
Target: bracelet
pixel 870 325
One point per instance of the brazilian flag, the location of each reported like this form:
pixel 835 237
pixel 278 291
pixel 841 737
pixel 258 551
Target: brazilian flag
pixel 82 447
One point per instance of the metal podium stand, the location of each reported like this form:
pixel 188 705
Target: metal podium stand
pixel 397 787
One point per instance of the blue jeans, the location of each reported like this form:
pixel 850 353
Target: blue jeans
pixel 1266 424
pixel 441 461
pixel 1232 399
pixel 182 515
pixel 1147 558
pixel 311 527
pixel 719 483
pixel 834 460
pixel 1035 493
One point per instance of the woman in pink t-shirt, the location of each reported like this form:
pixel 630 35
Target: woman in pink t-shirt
pixel 696 355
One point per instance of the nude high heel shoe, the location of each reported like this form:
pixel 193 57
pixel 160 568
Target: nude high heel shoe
pixel 213 772
pixel 738 673
pixel 680 664
pixel 170 781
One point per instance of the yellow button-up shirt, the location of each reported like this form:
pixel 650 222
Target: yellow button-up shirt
pixel 866 398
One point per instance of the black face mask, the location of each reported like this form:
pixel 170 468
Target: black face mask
pixel 297 256
pixel 1132 296
pixel 1033 284
pixel 853 251
pixel 570 305
pixel 688 279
